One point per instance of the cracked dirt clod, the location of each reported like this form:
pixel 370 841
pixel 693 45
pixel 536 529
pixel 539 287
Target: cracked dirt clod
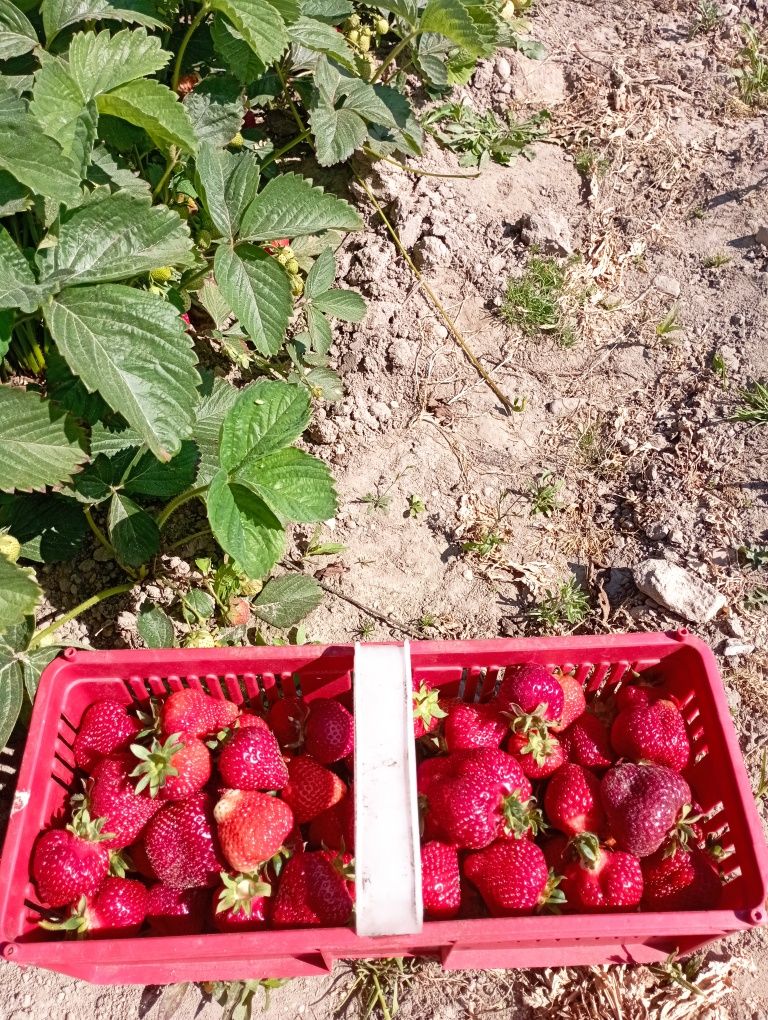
pixel 679 590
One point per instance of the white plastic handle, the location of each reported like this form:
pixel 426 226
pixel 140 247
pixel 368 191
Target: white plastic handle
pixel 387 851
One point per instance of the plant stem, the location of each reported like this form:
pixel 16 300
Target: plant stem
pixel 176 502
pixel 173 158
pixel 286 148
pixel 291 104
pixel 94 600
pixel 394 54
pixel 412 170
pixel 101 538
pixel 193 27
pixel 188 539
pixel 448 321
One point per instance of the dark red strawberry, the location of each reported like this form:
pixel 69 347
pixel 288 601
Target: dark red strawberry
pixel 181 844
pixel 176 911
pixel 440 880
pixel 642 804
pixel 252 827
pixel 246 719
pixel 287 718
pixel 431 770
pixel 72 862
pixel 574 702
pixel 602 880
pixel 512 877
pixel 538 753
pixel 241 903
pixel 586 742
pixel 311 892
pixel 251 760
pixel 680 880
pixel 652 733
pixel 572 801
pixel 311 788
pixel 174 769
pixel 468 726
pixel 190 711
pixel 249 120
pixel 531 689
pixel 557 852
pixel 112 796
pixel 427 711
pixel 118 907
pixel 344 863
pixel 335 828
pixel 636 696
pixel 330 731
pixel 105 729
pixel 480 799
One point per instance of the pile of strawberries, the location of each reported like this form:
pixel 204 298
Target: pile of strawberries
pixel 619 830
pixel 204 817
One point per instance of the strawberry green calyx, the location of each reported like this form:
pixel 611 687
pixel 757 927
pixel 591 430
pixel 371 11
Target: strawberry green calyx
pixel 684 834
pixel 345 868
pixel 522 817
pixel 150 720
pixel 239 891
pixel 83 825
pixel 119 863
pixel 552 897
pixel 155 767
pixel 161 274
pixel 426 705
pixel 525 722
pixel 77 921
pixel 540 745
pixel 587 847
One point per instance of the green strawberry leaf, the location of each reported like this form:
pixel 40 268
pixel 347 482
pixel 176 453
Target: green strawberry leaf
pixel 218 398
pixel 154 479
pixel 215 109
pixel 11 686
pixel 18 286
pixel 155 627
pixel 100 63
pixel 319 330
pixel 284 601
pixel 341 304
pixel 50 526
pixel 266 417
pixel 235 52
pixel 294 485
pixel 132 531
pixel 31 157
pixel 118 237
pixel 17 34
pixel 19 593
pixel 84 322
pixel 322 274
pixel 229 183
pixel 257 289
pixel 291 207
pixel 60 14
pixel 41 444
pixel 259 23
pixel 148 104
pixel 244 526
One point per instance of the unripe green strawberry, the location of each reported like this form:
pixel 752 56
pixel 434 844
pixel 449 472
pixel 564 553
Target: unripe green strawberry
pixel 381 26
pixel 199 639
pixel 10 547
pixel 236 142
pixel 353 37
pixel 364 43
pixel 292 267
pixel 162 274
pixel 353 21
pixel 297 286
pixel 204 239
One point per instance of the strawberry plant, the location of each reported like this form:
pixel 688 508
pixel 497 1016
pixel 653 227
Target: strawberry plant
pixel 154 219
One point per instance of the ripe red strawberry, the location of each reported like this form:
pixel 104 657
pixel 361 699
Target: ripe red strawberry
pixel 249 119
pixel 251 760
pixel 642 804
pixel 311 893
pixel 287 718
pixel 247 719
pixel 118 907
pixel 330 731
pixel 241 903
pixel 70 863
pixel 112 796
pixel 139 861
pixel 105 729
pixel 681 880
pixel 189 711
pixel 574 702
pixel 613 881
pixel 172 770
pixel 652 733
pixel 512 877
pixel 176 911
pixel 440 880
pixel 252 827
pixel 427 711
pixel 335 828
pixel 636 696
pixel 311 788
pixel 467 726
pixel 430 771
pixel 538 753
pixel 344 863
pixel 530 689
pixel 572 801
pixel 586 742
pixel 477 802
pixel 181 844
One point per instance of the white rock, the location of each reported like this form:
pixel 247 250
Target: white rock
pixel 467 573
pixel 735 627
pixel 738 648
pixel 502 68
pixel 381 411
pixel 565 405
pixel 126 621
pixel 431 253
pixel 667 285
pixel 678 590
pixel 548 230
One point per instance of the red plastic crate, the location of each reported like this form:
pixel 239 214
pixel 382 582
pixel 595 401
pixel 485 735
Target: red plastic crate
pixel 469 669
